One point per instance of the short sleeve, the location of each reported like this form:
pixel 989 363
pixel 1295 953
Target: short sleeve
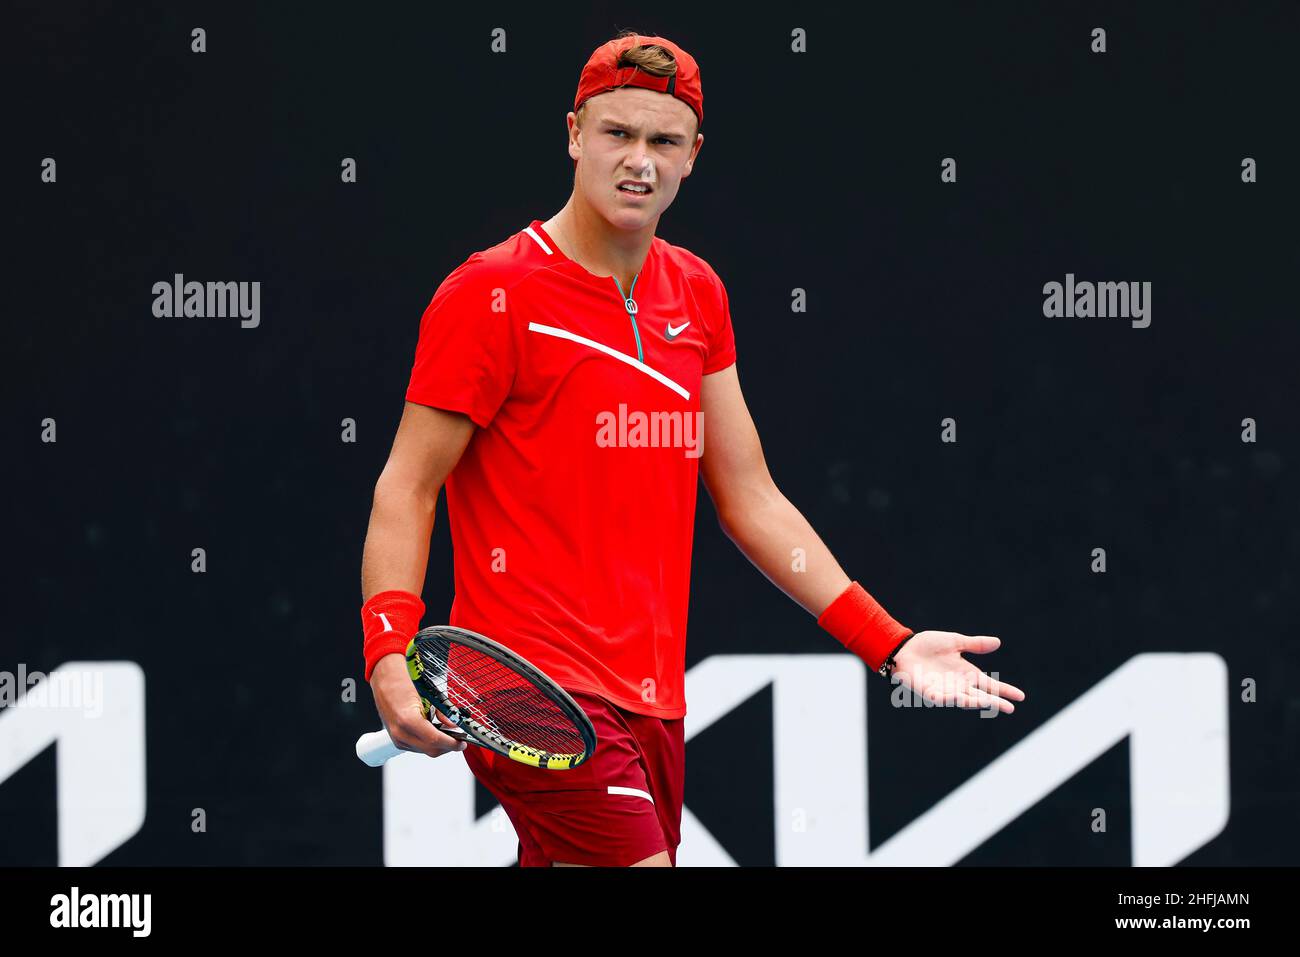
pixel 722 340
pixel 467 354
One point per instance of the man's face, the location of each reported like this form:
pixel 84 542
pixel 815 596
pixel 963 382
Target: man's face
pixel 636 135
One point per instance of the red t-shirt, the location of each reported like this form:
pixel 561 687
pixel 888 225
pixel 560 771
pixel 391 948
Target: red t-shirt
pixel 572 509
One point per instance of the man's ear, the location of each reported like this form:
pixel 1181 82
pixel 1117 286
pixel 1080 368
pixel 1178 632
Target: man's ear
pixel 690 163
pixel 572 137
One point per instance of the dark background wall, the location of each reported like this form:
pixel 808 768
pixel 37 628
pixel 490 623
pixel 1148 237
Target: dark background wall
pixel 819 171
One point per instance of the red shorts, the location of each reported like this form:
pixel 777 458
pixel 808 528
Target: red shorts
pixel 622 805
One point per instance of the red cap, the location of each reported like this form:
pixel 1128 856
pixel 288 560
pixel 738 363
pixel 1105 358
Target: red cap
pixel 602 73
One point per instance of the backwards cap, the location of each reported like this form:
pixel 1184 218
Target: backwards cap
pixel 602 73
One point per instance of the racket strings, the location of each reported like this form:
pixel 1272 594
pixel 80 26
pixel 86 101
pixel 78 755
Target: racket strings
pixel 498 699
pixel 520 714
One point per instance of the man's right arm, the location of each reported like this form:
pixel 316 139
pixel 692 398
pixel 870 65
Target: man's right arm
pixel 428 445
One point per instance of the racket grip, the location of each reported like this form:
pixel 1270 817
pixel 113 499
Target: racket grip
pixel 376 747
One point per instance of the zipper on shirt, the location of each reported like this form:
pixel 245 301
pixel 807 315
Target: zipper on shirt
pixel 630 305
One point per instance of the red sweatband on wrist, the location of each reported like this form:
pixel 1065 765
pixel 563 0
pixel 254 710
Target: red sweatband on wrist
pixel 389 620
pixel 859 623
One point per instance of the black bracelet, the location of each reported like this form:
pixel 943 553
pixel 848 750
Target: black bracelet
pixel 887 666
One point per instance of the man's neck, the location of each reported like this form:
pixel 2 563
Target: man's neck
pixel 586 238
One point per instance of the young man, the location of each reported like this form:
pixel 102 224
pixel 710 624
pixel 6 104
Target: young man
pixel 560 388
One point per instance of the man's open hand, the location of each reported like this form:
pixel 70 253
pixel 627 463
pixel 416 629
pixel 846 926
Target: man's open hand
pixel 930 663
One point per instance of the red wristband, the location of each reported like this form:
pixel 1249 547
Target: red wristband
pixel 389 620
pixel 859 623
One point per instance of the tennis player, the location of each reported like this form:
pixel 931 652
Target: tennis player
pixel 570 386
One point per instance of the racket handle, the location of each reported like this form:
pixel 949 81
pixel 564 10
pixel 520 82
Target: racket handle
pixel 376 747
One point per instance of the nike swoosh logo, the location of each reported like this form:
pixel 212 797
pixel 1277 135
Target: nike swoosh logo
pixel 674 333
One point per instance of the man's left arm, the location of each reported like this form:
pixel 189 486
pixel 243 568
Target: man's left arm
pixel 768 529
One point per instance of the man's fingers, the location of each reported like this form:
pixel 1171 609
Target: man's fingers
pixel 423 737
pixel 978 644
pixel 1000 688
pixel 963 685
pixel 974 698
pixel 980 692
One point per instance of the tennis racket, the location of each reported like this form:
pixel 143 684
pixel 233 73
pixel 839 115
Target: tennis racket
pixel 496 699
